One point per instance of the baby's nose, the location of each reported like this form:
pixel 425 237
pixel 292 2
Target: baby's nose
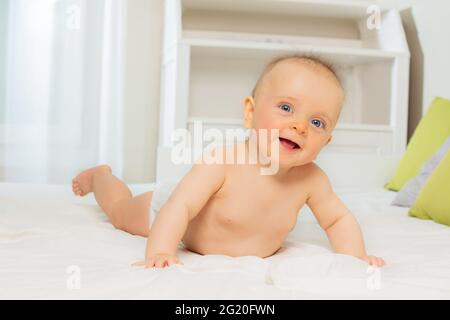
pixel 300 126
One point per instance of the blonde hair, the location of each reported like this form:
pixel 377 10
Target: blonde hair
pixel 308 59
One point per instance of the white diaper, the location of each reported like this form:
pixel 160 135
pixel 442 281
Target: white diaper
pixel 161 194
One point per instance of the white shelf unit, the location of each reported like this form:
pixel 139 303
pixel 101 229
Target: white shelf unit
pixel 214 52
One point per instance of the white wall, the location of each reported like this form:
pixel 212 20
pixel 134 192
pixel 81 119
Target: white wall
pixel 433 25
pixel 144 41
pixel 3 11
pixel 427 26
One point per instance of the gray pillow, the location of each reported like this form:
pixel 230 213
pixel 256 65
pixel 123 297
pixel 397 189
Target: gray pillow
pixel 408 194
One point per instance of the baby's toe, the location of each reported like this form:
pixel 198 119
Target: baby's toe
pixel 77 190
pixel 76 187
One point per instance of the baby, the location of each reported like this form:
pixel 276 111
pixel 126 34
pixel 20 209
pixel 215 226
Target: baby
pixel 233 209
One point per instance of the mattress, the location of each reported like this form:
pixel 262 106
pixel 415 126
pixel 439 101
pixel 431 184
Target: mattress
pixel 57 246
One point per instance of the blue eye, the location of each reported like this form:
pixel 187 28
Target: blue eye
pixel 318 123
pixel 286 107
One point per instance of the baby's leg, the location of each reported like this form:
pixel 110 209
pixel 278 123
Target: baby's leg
pixel 126 212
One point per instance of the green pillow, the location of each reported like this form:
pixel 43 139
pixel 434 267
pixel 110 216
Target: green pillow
pixel 430 134
pixel 433 201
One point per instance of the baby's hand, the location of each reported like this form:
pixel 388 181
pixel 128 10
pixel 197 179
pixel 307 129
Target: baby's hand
pixel 159 260
pixel 374 261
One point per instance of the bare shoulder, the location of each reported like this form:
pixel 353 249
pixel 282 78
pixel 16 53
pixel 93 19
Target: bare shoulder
pixel 209 167
pixel 212 155
pixel 310 171
pixel 316 179
pixel 322 200
pixel 202 181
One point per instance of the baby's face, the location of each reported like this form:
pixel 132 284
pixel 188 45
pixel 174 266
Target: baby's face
pixel 303 102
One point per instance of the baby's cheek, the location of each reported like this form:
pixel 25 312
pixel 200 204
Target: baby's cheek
pixel 314 150
pixel 269 123
pixel 263 119
pixel 266 124
pixel 273 130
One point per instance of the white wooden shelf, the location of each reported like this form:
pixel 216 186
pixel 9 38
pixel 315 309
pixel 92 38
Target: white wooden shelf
pixel 288 43
pixel 214 51
pixel 270 38
pixel 344 56
pixel 344 9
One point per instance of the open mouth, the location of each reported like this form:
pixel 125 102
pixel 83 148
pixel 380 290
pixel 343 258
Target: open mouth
pixel 289 144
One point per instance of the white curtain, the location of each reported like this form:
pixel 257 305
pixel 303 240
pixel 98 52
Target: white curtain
pixel 61 75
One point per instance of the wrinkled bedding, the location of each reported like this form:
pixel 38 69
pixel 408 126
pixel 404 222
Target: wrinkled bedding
pixel 54 245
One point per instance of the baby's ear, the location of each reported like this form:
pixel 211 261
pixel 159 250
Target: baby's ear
pixel 248 108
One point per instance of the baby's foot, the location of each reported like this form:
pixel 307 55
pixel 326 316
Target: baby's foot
pixel 82 183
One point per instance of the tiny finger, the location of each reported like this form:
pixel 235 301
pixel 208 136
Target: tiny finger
pixel 159 264
pixel 150 263
pixel 171 261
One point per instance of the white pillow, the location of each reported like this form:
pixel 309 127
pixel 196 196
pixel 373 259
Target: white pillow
pixel 408 194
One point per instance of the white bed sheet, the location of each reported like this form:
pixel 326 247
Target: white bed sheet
pixel 44 230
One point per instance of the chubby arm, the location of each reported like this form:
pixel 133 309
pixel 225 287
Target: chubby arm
pixel 185 202
pixel 341 227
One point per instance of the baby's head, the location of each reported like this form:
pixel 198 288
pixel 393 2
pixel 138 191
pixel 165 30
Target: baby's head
pixel 302 98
